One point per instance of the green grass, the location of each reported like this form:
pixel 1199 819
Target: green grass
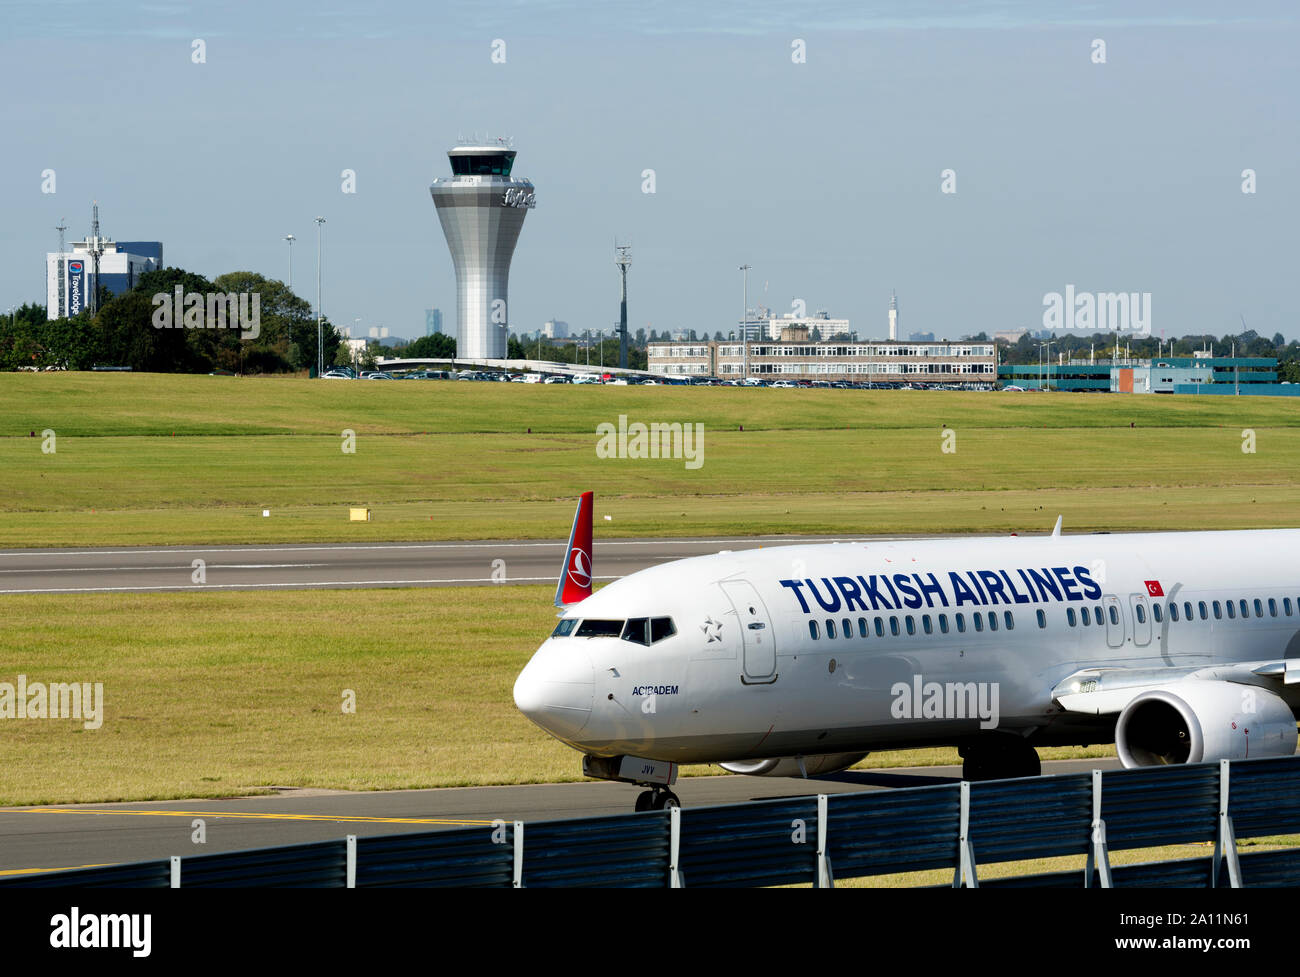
pixel 161 459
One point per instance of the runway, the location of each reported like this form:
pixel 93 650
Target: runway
pixel 77 835
pixel 326 565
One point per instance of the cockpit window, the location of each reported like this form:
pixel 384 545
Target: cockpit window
pixel 591 628
pixel 636 630
pixel 660 628
pixel 565 627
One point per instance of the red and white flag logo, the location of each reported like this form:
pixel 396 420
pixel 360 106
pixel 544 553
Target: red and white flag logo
pixel 1154 589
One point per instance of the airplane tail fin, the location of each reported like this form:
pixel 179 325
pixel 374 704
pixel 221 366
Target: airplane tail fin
pixel 575 580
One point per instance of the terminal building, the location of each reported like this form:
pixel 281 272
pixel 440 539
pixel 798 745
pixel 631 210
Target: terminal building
pixel 70 276
pixel 963 363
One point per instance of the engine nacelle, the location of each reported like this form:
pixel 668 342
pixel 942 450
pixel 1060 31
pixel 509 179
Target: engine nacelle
pixel 1195 721
pixel 789 766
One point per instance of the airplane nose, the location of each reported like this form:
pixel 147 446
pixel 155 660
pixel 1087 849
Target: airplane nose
pixel 555 689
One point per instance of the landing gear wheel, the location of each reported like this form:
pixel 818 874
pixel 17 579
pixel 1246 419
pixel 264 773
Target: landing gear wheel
pixel 666 799
pixel 645 801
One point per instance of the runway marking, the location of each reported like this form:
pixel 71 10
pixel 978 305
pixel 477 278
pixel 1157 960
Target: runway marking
pixel 67 868
pixel 290 548
pixel 178 566
pixel 143 589
pixel 260 815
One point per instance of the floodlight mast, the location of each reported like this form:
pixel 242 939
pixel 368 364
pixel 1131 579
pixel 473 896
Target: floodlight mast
pixel 623 259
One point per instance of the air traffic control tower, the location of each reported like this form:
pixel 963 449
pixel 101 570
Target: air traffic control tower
pixel 482 209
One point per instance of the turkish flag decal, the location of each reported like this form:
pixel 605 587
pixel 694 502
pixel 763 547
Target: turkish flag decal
pixel 1154 589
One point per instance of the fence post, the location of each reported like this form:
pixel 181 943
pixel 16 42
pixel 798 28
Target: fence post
pixel 352 862
pixel 825 880
pixel 1225 841
pixel 1098 853
pixel 965 873
pixel 519 855
pixel 176 871
pixel 674 847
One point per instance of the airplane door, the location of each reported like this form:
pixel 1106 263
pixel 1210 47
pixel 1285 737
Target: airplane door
pixel 1141 619
pixel 1114 621
pixel 756 634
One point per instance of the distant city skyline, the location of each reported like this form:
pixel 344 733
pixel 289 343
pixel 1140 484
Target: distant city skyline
pixel 976 159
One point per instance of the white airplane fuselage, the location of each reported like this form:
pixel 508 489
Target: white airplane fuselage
pixel 769 657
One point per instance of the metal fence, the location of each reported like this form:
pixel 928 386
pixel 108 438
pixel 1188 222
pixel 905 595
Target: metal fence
pixel 960 828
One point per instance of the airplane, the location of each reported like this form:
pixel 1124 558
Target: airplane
pixel 799 660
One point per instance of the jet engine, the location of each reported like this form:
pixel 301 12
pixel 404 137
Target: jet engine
pixel 789 766
pixel 1196 721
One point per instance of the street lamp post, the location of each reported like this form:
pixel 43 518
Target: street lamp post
pixel 320 346
pixel 744 324
pixel 290 238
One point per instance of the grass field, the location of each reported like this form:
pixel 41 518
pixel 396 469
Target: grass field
pixel 217 694
pixel 162 459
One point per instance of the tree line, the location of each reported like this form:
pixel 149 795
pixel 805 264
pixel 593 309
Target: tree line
pixel 124 332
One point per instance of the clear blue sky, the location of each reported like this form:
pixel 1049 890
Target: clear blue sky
pixel 824 176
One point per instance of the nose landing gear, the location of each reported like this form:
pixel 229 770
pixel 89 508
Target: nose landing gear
pixel 657 799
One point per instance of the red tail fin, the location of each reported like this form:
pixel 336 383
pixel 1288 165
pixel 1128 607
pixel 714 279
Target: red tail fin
pixel 576 573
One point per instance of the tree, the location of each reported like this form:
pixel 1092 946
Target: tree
pixel 436 346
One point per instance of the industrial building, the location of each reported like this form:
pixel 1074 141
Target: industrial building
pixel 482 209
pixel 1168 374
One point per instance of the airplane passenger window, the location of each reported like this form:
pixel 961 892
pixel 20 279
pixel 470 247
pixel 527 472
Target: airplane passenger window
pixel 565 627
pixel 1259 608
pixel 1087 618
pixel 1286 605
pixel 1158 612
pixel 830 627
pixel 1187 610
pixel 1272 607
pixel 911 624
pixel 926 624
pixel 1218 611
pixel 880 627
pixel 943 623
pixel 1140 613
pixel 599 629
pixel 660 628
pixel 961 623
pixel 979 621
pixel 863 630
pixel 812 630
pixel 1114 615
pixel 893 626
pixel 1173 610
pixel 1096 613
pixel 1245 609
pixel 847 629
pixel 1200 606
pixel 636 630
pixel 1232 611
pixel 993 620
pixel 1009 620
